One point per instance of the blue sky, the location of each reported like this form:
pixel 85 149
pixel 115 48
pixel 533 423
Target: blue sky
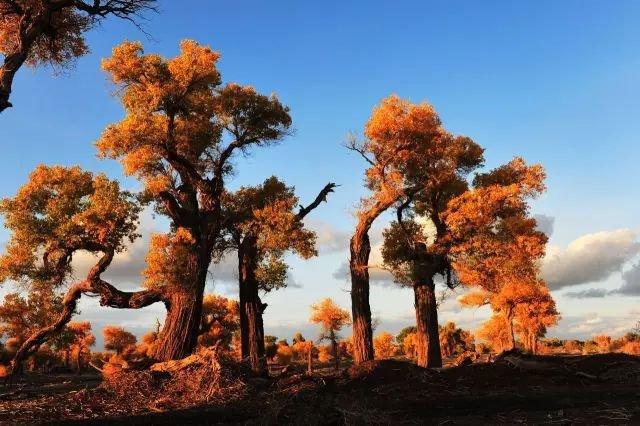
pixel 554 82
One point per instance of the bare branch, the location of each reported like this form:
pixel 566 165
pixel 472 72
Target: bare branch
pixel 352 144
pixel 322 196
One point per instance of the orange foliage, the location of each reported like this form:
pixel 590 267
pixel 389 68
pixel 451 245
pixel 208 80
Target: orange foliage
pixel 495 332
pixel 220 321
pixel 118 339
pixel 384 345
pixel 409 345
pixel 330 316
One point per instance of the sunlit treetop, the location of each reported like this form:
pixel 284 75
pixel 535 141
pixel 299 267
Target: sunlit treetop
pixel 329 315
pixel 495 240
pixel 59 211
pixel 181 126
pixel 61 43
pixel 52 32
pixel 57 27
pixel 409 151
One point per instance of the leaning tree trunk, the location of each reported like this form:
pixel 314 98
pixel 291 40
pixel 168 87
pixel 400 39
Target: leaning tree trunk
pixel 427 335
pixel 360 309
pixel 251 308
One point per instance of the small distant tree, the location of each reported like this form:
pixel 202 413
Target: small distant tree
pixel 590 347
pixel 147 345
pixel 284 353
pixel 384 345
pixel 332 318
pixel 573 346
pixel 298 337
pixel 220 320
pixel 409 345
pixel 117 339
pixel 454 340
pixel 404 332
pixel 603 342
pixel 83 340
pixel 271 349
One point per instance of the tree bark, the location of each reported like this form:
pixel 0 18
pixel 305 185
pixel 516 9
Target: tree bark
pixel 427 333
pixel 310 359
pixel 179 334
pixel 360 248
pixel 510 331
pixel 334 349
pixel 251 308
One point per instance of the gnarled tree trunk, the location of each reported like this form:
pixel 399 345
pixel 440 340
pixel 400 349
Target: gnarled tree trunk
pixel 360 309
pixel 179 335
pixel 251 307
pixel 427 335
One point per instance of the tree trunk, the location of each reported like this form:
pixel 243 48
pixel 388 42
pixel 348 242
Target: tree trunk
pixel 360 309
pixel 334 349
pixel 427 333
pixel 179 334
pixel 310 359
pixel 510 332
pixel 251 308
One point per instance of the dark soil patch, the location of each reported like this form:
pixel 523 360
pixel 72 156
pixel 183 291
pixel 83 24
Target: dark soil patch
pixel 598 389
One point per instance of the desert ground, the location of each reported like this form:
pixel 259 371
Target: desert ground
pixel 511 389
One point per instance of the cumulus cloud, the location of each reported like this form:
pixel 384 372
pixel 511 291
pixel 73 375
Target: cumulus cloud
pixel 329 238
pixel 125 271
pixel 590 258
pixel 586 326
pixel 545 223
pixel 631 281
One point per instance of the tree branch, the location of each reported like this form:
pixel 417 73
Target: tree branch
pixel 353 145
pixel 322 196
pixel 109 296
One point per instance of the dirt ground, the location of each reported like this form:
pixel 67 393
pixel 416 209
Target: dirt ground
pixel 515 389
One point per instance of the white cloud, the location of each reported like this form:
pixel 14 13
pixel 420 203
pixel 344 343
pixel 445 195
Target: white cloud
pixel 590 258
pixel 329 238
pixel 586 326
